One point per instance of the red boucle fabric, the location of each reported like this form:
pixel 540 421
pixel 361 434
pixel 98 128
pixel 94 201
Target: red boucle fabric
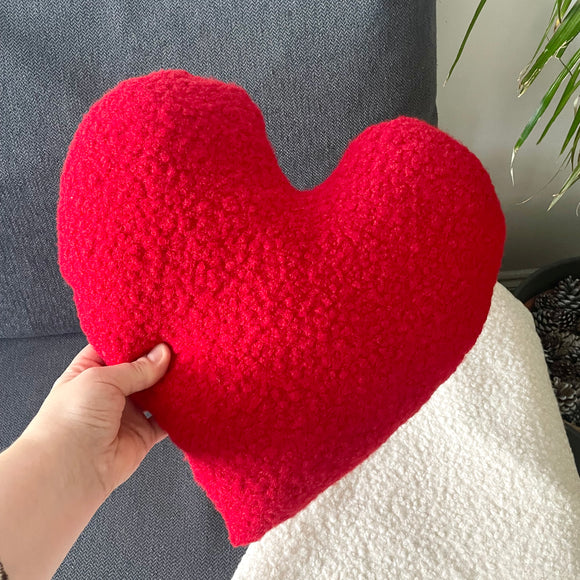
pixel 306 326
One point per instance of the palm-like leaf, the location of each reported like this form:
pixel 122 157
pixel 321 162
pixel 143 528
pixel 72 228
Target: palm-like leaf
pixel 556 46
pixel 464 41
pixel 563 27
pixel 544 103
pixel 570 89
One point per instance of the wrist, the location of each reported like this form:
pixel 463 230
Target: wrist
pixel 73 473
pixel 45 503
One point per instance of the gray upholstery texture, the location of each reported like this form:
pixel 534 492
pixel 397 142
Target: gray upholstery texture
pixel 321 72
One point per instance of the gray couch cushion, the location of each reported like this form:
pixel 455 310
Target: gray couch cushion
pixel 321 72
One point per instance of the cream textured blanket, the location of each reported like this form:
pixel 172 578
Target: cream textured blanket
pixel 480 483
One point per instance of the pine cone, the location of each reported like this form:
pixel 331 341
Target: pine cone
pixel 568 342
pixel 567 294
pixel 556 314
pixel 572 356
pixel 574 418
pixel 545 301
pixel 568 347
pixel 566 319
pixel 544 321
pixel 568 395
pixel 550 320
pixel 575 346
pixel 551 342
pixel 563 369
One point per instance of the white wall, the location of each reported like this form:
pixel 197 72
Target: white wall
pixel 479 107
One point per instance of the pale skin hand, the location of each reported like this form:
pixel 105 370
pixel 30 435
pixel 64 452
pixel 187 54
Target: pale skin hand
pixel 85 441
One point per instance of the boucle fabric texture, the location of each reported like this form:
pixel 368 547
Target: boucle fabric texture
pixel 306 326
pixel 480 483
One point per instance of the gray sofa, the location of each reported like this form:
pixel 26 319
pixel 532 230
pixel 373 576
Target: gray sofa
pixel 321 73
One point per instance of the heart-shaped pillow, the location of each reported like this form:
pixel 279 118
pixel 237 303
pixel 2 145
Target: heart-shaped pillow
pixel 306 326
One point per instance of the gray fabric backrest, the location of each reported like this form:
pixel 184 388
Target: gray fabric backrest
pixel 321 73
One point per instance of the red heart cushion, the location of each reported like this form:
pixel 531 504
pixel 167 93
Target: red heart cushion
pixel 306 326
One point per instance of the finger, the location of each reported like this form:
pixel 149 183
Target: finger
pixel 133 412
pixel 138 375
pixel 88 357
pixel 148 430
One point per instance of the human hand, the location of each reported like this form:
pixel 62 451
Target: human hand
pixel 89 415
pixel 86 439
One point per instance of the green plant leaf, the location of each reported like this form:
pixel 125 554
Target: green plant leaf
pixel 564 34
pixel 572 151
pixel 565 23
pixel 469 29
pixel 573 127
pixel 569 90
pixel 574 177
pixel 549 28
pixel 544 104
pixel 558 11
pixel 562 6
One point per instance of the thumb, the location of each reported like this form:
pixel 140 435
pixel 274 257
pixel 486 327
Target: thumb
pixel 140 374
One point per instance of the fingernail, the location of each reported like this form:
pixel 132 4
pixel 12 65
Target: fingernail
pixel 156 354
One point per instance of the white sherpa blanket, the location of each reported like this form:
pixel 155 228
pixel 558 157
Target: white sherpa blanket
pixel 480 483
